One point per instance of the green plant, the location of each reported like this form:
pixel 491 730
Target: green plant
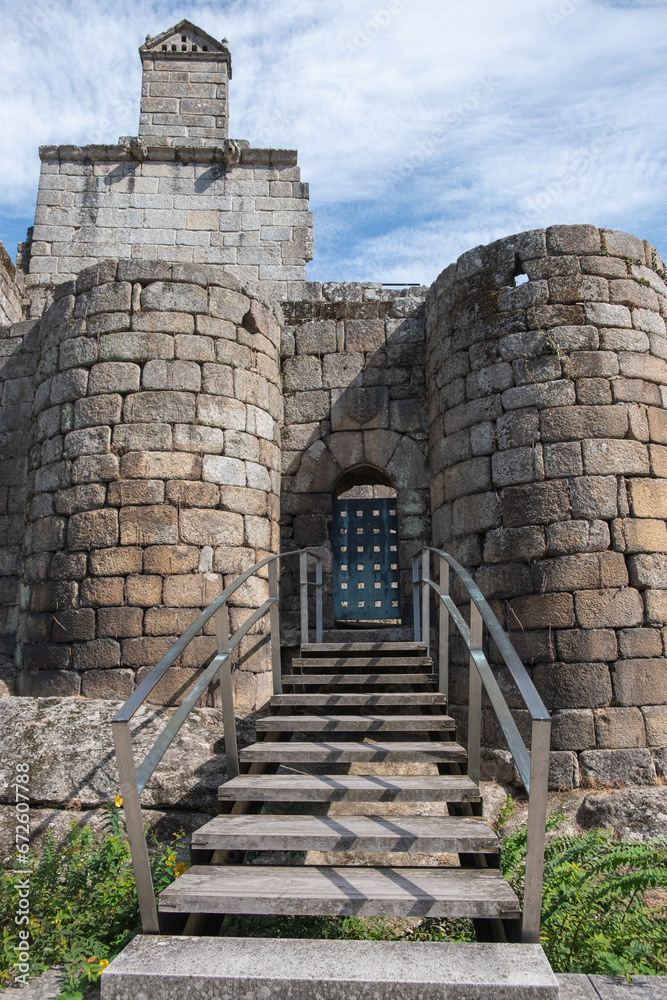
pixel 596 910
pixel 83 904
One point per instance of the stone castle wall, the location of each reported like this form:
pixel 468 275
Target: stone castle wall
pixel 154 478
pixel 11 290
pixel 244 209
pixel 353 385
pixel 548 422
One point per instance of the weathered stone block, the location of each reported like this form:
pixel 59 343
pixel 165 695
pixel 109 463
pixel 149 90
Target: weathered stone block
pixel 165 296
pixel 55 684
pixel 637 642
pixel 193 348
pixel 135 346
pixel 563 460
pixel 160 465
pixel 518 428
pixel 640 682
pixel 115 562
pixel 511 467
pixel 563 771
pixel 572 729
pixel 94 529
pixel 586 645
pixel 539 503
pixel 354 408
pixel 191 591
pixel 573 239
pixel 100 654
pixel 630 293
pixel 164 322
pixel 573 423
pixel 119 623
pixel 540 394
pixel 160 407
pixel 95 468
pixel 625 458
pixel 619 728
pixel 148 526
pixel 573 685
pixel 305 372
pixel 113 376
pixel 227 304
pixel 476 514
pixel 509 544
pixel 318 337
pixel 616 768
pixel 468 477
pixel 88 441
pixel 542 611
pixel 648 571
pixel 639 535
pixel 178 375
pixel 108 684
pixel 143 591
pixel 170 559
pixel 98 410
pixel 219 411
pixel 609 608
pixel 69 385
pixel 129 492
pixel 594 497
pixel 110 297
pixel 100 591
pixel 211 527
pixel 73 624
pixel 80 498
pixel 655 720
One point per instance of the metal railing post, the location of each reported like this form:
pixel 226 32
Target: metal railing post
pixel 536 834
pixel 135 828
pixel 426 600
pixel 303 587
pixel 415 598
pixel 274 626
pixel 443 631
pixel 226 691
pixel 475 695
pixel 318 599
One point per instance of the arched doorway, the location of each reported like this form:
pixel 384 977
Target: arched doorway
pixel 364 544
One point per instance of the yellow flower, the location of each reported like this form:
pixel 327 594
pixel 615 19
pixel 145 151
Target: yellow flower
pixel 104 962
pixel 118 802
pixel 180 868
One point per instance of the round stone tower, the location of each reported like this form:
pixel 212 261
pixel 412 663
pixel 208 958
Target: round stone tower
pixel 547 378
pixel 154 477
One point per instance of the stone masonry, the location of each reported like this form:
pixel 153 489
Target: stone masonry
pixel 177 402
pixel 548 426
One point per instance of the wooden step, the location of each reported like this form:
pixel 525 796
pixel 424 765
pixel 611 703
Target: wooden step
pixel 349 788
pixel 311 680
pixel 347 664
pixel 364 649
pixel 362 892
pixel 346 699
pixel 353 723
pixel 408 834
pixel 287 753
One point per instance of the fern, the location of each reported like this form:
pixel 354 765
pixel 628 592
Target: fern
pixel 595 914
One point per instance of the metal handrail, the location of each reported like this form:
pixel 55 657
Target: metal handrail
pixel 533 764
pixel 133 779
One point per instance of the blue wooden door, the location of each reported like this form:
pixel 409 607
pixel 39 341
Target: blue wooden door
pixel 364 539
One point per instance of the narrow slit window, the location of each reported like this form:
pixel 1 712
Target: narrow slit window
pixel 194 48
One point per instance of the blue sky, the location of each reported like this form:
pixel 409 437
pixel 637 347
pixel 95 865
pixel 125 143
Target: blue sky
pixel 425 127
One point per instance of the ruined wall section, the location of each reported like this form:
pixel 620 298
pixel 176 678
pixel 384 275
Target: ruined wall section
pixel 548 448
pixel 154 478
pixel 244 209
pixel 11 291
pixel 354 392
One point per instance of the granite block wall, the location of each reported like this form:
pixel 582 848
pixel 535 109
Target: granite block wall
pixel 153 481
pixel 548 451
pixel 354 393
pixel 11 290
pixel 184 97
pixel 244 209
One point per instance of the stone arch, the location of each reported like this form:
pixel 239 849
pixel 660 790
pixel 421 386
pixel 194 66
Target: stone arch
pixel 361 475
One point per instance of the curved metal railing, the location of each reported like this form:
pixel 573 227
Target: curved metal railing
pixel 133 779
pixel 533 764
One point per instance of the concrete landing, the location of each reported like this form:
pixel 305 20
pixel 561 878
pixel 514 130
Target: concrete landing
pixel 169 968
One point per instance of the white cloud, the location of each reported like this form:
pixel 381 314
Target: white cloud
pixel 424 126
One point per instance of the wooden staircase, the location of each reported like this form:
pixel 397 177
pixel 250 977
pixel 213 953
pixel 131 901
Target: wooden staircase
pixel 317 780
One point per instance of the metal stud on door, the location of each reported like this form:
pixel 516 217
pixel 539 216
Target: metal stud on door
pixel 364 540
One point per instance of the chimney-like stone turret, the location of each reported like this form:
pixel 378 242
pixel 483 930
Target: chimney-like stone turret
pixel 184 88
